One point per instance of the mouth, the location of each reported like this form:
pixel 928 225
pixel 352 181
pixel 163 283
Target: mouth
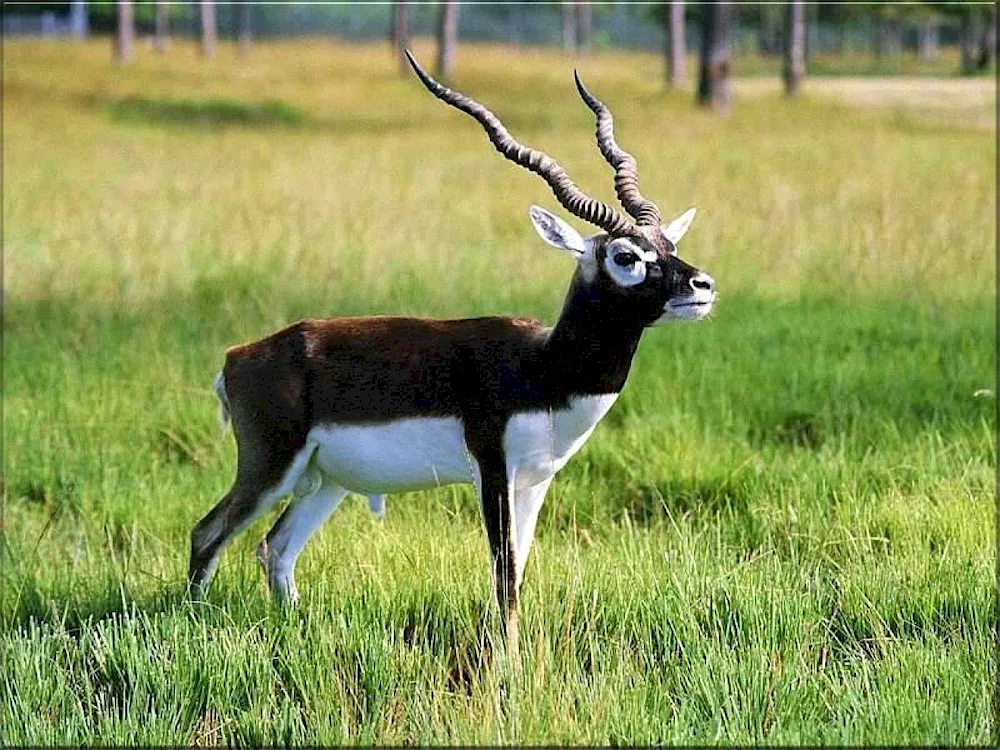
pixel 689 308
pixel 691 304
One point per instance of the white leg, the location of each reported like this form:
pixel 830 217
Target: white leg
pixel 242 505
pixel 376 504
pixel 527 504
pixel 280 550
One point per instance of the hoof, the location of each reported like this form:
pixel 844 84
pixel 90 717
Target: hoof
pixel 262 556
pixel 282 584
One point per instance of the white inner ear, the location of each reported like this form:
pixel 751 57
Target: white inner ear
pixel 629 275
pixel 679 226
pixel 557 232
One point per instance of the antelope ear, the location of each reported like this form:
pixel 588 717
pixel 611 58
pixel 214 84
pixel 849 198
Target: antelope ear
pixel 557 232
pixel 679 226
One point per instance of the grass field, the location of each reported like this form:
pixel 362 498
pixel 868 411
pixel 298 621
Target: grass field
pixel 783 532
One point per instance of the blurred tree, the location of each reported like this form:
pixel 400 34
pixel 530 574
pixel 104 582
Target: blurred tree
pixel 971 32
pixel 401 34
pixel 78 19
pixel 584 27
pixel 928 38
pixel 927 18
pixel 833 18
pixel 889 30
pixel 161 26
pixel 569 25
pixel 716 56
pixel 988 44
pixel 125 36
pixel 769 30
pixel 577 25
pixel 244 28
pixel 811 22
pixel 794 68
pixel 447 38
pixel 967 41
pixel 976 30
pixel 676 49
pixel 849 19
pixel 208 31
pixel 102 17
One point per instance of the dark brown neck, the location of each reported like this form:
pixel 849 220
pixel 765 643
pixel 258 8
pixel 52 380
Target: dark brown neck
pixel 590 349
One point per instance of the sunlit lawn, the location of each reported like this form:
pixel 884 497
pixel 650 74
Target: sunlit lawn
pixel 784 531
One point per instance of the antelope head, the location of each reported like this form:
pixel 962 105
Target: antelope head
pixel 630 267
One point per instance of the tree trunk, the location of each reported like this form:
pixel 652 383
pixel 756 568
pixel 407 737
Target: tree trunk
pixel 447 38
pixel 208 34
pixel 401 34
pixel 988 45
pixel 795 46
pixel 585 27
pixel 161 26
pixel 125 36
pixel 569 25
pixel 928 39
pixel 967 43
pixel 78 19
pixel 769 36
pixel 894 37
pixel 676 45
pixel 713 76
pixel 836 39
pixel 888 37
pixel 813 41
pixel 244 29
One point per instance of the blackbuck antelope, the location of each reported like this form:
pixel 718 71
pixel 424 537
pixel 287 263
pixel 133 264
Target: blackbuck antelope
pixel 378 405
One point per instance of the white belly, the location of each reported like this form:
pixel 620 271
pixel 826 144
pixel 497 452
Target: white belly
pixel 399 456
pixel 423 453
pixel 538 444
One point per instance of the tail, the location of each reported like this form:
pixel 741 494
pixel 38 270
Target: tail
pixel 220 391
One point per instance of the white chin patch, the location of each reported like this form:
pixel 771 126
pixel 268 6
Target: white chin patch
pixel 695 307
pixel 629 274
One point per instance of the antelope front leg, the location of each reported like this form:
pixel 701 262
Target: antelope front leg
pixel 496 500
pixel 527 502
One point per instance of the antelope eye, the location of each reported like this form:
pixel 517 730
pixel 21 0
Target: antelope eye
pixel 625 258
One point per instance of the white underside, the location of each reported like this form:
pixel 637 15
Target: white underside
pixel 538 444
pixel 417 454
pixel 423 453
pixel 399 456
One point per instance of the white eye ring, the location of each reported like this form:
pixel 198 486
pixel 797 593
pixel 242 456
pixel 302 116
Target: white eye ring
pixel 625 258
pixel 629 274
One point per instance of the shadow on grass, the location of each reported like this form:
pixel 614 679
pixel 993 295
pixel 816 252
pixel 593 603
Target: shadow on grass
pixel 464 638
pixel 211 114
pixel 796 429
pixel 218 113
pixel 648 504
pixel 36 606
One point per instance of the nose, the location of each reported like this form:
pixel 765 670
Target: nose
pixel 702 282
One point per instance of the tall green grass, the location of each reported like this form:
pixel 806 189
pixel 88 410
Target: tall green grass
pixel 783 532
